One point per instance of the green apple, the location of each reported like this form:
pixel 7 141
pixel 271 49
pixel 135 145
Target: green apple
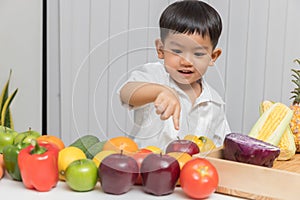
pixel 7 137
pixel 82 175
pixel 26 137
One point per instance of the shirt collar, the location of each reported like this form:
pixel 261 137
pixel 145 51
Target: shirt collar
pixel 208 94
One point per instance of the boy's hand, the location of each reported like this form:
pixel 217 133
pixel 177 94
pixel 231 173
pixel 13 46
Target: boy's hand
pixel 165 99
pixel 167 104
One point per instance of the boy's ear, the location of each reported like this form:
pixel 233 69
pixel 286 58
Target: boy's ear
pixel 159 48
pixel 214 56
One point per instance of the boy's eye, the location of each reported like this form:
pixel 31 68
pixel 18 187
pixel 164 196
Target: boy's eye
pixel 176 51
pixel 199 54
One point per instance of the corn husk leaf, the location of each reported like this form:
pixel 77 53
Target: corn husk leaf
pixel 6 119
pixel 4 93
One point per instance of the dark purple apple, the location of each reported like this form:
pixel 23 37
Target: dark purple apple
pixel 117 173
pixel 182 145
pixel 160 173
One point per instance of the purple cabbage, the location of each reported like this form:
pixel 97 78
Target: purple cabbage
pixel 243 148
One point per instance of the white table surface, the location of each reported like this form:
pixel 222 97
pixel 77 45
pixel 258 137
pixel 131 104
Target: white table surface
pixel 12 189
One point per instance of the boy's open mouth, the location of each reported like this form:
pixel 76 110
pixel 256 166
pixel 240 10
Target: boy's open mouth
pixel 185 71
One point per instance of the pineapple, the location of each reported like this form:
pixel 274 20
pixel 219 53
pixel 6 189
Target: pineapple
pixel 295 122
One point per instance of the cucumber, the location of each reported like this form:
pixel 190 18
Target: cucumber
pixel 85 142
pixel 93 150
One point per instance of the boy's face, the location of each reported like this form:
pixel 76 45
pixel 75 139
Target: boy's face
pixel 187 56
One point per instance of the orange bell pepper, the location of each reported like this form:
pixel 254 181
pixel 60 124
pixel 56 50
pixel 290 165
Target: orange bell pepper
pixel 38 166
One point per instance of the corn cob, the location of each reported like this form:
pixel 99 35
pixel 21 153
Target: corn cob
pixel 272 123
pixel 287 142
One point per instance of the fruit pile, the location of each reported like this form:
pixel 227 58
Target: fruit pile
pixel 13 147
pixel 40 161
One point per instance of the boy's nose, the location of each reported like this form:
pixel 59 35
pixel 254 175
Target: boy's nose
pixel 186 61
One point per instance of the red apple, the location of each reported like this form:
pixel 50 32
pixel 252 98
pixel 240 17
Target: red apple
pixel 182 145
pixel 117 173
pixel 139 157
pixel 159 174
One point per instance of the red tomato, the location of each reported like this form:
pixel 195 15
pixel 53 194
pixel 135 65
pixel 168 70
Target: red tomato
pixel 199 178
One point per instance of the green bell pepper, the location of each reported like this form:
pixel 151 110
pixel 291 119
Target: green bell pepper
pixel 10 158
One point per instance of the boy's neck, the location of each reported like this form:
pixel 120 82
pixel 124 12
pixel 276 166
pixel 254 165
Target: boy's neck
pixel 193 90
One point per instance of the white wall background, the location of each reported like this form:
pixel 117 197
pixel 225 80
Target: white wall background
pixel 93 44
pixel 21 51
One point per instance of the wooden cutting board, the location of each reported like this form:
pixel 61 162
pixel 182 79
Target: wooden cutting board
pixel 282 181
pixel 292 165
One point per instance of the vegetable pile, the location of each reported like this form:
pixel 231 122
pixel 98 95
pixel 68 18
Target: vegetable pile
pixel 269 139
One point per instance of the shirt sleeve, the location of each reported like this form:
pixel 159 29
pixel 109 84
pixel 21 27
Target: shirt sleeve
pixel 222 129
pixel 150 73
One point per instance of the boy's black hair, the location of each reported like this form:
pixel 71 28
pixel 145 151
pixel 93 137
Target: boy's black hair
pixel 191 16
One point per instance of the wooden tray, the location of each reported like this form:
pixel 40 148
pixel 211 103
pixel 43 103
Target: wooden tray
pixel 292 165
pixel 282 181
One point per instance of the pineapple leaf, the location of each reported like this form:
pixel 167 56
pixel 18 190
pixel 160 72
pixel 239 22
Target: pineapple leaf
pixel 297 82
pixel 4 93
pixel 296 77
pixel 296 72
pixel 296 99
pixel 5 110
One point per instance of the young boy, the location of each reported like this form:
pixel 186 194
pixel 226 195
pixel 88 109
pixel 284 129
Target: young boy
pixel 172 99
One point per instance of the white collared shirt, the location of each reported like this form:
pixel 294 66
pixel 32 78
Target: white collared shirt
pixel 205 118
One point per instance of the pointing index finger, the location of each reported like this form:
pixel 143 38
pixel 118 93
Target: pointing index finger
pixel 176 117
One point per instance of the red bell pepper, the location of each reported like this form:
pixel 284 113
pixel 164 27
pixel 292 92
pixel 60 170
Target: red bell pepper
pixel 38 166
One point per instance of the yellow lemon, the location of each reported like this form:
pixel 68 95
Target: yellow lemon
pixel 101 155
pixel 182 158
pixel 65 157
pixel 154 149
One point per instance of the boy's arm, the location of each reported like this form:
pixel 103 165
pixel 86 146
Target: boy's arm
pixel 164 98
